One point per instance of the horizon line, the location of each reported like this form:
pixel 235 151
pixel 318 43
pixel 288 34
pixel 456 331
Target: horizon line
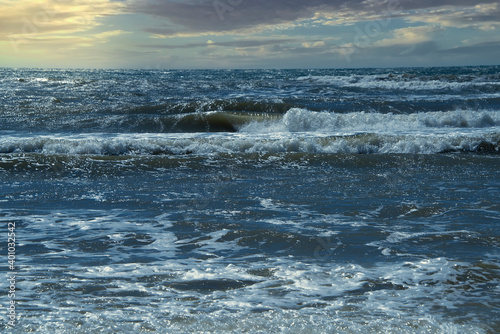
pixel 240 69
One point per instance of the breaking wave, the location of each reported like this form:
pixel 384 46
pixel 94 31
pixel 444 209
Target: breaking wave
pixel 298 120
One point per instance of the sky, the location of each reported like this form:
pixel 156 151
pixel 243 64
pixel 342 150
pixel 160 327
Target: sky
pixel 193 34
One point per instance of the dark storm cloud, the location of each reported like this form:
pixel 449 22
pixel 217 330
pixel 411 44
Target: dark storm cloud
pixel 226 15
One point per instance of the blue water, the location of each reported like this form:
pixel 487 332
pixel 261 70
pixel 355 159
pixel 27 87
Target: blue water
pixel 316 201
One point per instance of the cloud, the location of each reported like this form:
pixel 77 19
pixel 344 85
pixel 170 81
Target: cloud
pixel 279 32
pixel 481 16
pixel 25 21
pixel 198 17
pixel 313 44
pixel 107 34
pixel 204 16
pixel 407 36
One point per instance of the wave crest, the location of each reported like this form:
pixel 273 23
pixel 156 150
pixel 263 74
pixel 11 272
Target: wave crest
pixel 235 143
pixel 303 120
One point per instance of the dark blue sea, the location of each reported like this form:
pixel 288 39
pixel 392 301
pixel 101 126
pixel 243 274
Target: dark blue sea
pixel 251 201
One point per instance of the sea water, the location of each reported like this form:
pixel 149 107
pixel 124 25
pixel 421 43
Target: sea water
pixel 251 201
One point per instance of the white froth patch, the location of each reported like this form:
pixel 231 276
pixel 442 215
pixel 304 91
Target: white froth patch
pixel 164 242
pixel 332 295
pixel 83 225
pixel 164 219
pixel 213 271
pixel 303 120
pixel 212 247
pixel 106 269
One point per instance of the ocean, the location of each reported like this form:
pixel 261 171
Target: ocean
pixel 250 201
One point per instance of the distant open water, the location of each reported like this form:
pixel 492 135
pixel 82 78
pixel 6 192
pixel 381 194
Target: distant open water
pixel 261 201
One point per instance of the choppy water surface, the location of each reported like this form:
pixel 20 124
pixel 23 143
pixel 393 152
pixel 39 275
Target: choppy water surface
pixel 316 201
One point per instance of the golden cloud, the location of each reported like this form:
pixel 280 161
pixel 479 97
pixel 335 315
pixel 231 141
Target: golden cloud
pixel 27 21
pixel 311 45
pixel 406 36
